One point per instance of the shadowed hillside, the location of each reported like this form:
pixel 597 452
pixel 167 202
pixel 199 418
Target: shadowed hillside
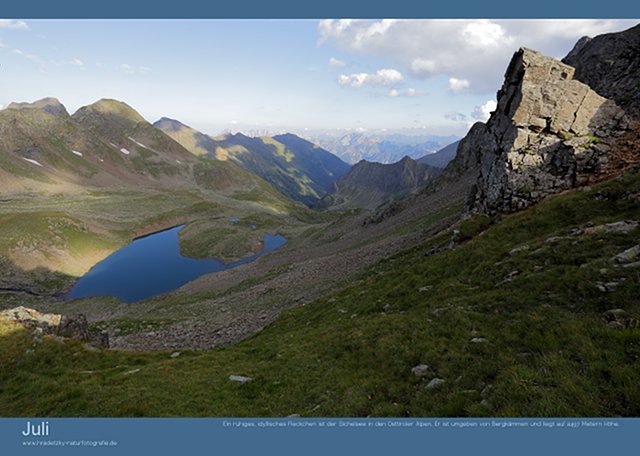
pixel 294 166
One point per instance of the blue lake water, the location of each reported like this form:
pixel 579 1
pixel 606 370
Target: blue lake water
pixel 151 266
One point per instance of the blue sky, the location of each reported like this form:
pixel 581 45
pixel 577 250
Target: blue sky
pixel 433 77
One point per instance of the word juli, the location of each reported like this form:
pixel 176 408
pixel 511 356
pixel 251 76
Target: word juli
pixel 40 430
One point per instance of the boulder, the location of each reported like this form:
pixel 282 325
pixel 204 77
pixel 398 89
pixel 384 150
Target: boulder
pixel 622 227
pixel 619 319
pixel 635 264
pixel 32 319
pixel 608 287
pixel 75 327
pixel 434 383
pixel 516 250
pixel 630 255
pixel 421 370
pixel 71 327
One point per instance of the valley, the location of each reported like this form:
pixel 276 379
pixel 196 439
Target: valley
pixel 78 228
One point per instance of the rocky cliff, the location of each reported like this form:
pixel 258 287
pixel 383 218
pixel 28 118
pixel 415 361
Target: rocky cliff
pixel 549 133
pixel 609 64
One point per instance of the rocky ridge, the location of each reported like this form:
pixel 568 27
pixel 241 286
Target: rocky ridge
pixel 609 64
pixel 295 167
pixel 549 133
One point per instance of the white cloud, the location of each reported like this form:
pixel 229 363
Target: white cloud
pixel 458 85
pixel 363 35
pixel 485 34
pixel 13 24
pixel 483 112
pixel 336 62
pixel 129 70
pixel 423 67
pixel 480 113
pixel 383 77
pixel 409 92
pixel 455 116
pixel 478 49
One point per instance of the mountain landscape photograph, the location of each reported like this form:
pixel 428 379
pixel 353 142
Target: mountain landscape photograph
pixel 320 218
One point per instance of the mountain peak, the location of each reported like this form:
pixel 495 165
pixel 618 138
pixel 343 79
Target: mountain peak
pixel 49 105
pixel 236 136
pixel 113 107
pixel 168 124
pixel 580 44
pixel 288 136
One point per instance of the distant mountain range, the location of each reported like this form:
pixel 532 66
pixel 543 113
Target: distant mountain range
pixel 380 148
pixel 106 145
pixel 294 166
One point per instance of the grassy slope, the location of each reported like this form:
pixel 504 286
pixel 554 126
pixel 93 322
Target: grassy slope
pixel 549 351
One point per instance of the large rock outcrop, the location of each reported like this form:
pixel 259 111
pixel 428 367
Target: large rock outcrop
pixel 549 133
pixel 75 327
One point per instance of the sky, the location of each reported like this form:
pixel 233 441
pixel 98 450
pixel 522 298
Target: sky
pixel 432 77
